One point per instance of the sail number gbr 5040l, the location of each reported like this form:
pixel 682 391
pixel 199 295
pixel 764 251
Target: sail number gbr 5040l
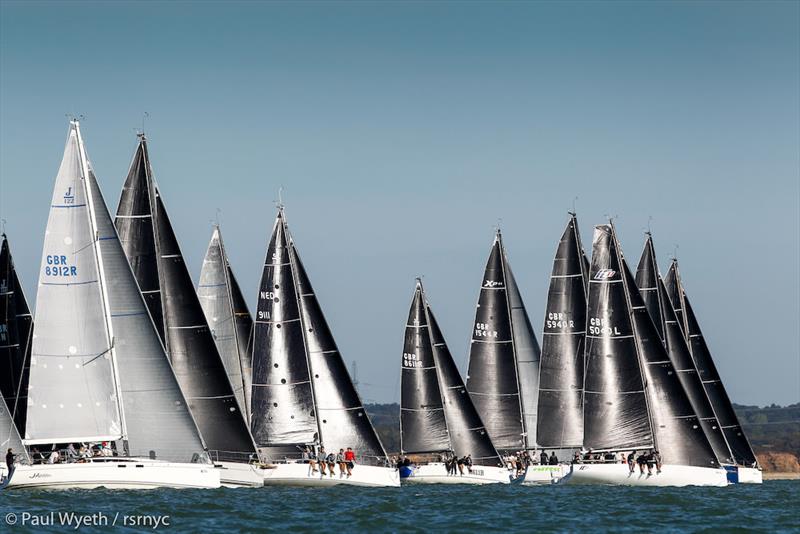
pixel 600 327
pixel 57 266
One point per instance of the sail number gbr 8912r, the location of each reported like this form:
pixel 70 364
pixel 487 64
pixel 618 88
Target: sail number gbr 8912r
pixel 58 266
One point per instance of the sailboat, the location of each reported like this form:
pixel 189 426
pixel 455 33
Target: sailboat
pixel 16 329
pixel 152 249
pixel 560 421
pixel 748 470
pixel 503 376
pixel 98 372
pixel 651 287
pixel 229 319
pixel 437 416
pixel 633 400
pixel 303 398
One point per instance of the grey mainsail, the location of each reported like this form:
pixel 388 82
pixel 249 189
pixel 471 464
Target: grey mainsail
pixel 134 393
pixel 187 336
pixel 563 341
pixel 283 412
pixel 652 290
pixel 504 358
pixel 735 437
pixel 229 326
pixel 16 329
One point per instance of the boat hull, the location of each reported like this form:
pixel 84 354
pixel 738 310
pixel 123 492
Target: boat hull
pixel 240 475
pixel 132 474
pixel 545 474
pixel 299 474
pixel 620 475
pixel 436 473
pixel 750 475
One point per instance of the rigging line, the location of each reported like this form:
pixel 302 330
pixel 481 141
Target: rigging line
pixel 101 354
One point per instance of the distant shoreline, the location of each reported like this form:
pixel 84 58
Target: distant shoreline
pixel 781 476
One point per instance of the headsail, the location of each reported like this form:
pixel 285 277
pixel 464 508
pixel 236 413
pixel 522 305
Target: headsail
pixel 504 358
pixel 468 434
pixel 562 363
pixel 229 326
pixel 341 418
pixel 188 340
pixel 423 426
pixel 283 398
pixel 720 402
pixel 16 329
pixel 615 412
pixel 653 292
pixel 9 436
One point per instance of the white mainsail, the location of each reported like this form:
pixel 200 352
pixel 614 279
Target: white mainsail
pixel 98 369
pixel 214 292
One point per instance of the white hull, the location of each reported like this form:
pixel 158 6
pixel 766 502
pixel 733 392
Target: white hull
pixel 436 473
pixel 750 475
pixel 620 475
pixel 240 475
pixel 299 474
pixel 126 474
pixel 545 474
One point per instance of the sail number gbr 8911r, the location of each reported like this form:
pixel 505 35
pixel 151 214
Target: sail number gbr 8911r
pixel 58 266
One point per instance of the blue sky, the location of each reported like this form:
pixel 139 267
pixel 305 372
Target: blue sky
pixel 401 133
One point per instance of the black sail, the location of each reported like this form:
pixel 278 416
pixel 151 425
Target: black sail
pixel 653 292
pixel 615 411
pixel 188 339
pixel 283 398
pixel 341 417
pixel 677 430
pixel 423 426
pixel 468 434
pixel 16 328
pixel 134 222
pixel 561 369
pixel 720 402
pixel 492 379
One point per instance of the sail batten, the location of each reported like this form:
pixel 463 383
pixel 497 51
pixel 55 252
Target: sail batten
pixel 562 361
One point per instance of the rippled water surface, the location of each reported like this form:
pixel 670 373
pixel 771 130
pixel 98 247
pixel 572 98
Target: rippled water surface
pixel 772 507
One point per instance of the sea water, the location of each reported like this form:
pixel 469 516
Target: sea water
pixel 771 507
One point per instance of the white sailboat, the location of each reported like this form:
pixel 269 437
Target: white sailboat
pixel 98 370
pixel 302 393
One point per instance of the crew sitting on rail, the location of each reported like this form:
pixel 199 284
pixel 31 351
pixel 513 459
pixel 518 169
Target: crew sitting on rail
pixel 349 461
pixel 321 460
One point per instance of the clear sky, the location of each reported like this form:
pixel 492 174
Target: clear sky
pixel 402 132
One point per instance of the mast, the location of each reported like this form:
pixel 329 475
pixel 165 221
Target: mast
pixel 102 284
pixel 423 423
pixel 342 420
pixel 653 291
pixel 492 380
pixel 721 404
pixel 16 326
pixel 563 343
